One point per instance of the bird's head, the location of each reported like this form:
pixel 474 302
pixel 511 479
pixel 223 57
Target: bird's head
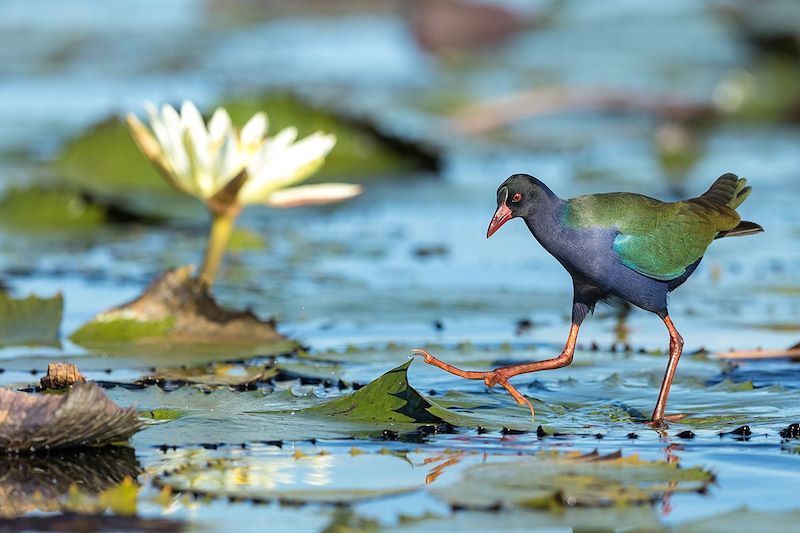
pixel 516 197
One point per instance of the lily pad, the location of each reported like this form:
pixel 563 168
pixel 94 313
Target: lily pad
pixel 296 479
pixel 176 308
pixel 30 321
pixel 213 375
pixel 40 209
pixel 84 416
pixel 106 162
pixel 745 521
pixel 552 480
pixel 362 148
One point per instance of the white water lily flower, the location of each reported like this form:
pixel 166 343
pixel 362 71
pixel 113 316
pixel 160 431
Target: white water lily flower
pixel 201 160
pixel 196 159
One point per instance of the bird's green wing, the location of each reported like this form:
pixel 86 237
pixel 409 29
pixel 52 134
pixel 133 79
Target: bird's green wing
pixel 657 239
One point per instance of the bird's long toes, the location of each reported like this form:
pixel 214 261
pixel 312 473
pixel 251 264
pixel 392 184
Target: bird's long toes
pixel 428 358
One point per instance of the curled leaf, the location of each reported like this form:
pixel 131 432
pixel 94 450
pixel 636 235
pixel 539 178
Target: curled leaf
pixel 81 417
pixel 390 398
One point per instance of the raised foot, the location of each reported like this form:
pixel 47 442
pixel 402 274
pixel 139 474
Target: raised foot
pixel 490 378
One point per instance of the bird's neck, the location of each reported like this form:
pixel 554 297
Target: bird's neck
pixel 547 222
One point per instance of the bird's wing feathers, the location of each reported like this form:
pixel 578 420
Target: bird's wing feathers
pixel 657 239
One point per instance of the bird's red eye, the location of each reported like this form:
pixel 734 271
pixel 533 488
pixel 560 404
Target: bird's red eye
pixel 516 198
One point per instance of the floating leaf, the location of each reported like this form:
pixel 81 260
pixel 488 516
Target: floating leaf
pixel 110 330
pixel 37 208
pixel 362 148
pixel 106 162
pixel 83 416
pixel 175 307
pixel 31 320
pixel 622 518
pixel 745 521
pixel 552 479
pixel 299 478
pixel 213 374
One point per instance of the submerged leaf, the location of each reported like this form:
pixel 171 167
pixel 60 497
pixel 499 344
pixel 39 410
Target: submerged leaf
pixel 83 416
pixel 30 321
pixel 552 479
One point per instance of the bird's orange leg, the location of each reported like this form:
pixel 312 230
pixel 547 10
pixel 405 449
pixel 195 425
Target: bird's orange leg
pixel 500 376
pixel 675 349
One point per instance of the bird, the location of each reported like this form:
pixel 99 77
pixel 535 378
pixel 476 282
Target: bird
pixel 616 247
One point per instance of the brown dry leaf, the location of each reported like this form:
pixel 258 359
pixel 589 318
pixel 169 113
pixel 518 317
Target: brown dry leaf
pixel 177 308
pixel 61 376
pixel 84 416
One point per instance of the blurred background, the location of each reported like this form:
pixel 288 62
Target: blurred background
pixel 434 103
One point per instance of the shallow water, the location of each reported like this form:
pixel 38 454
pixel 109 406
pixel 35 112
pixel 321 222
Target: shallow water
pixel 352 275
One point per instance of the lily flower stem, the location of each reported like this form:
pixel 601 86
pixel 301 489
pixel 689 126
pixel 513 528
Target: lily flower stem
pixel 218 238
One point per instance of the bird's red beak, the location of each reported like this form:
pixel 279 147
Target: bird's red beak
pixel 501 216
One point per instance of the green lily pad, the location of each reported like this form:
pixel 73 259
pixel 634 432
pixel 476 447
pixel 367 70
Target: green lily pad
pixel 100 332
pixel 30 321
pixel 551 480
pixel 362 149
pixel 38 209
pixel 105 162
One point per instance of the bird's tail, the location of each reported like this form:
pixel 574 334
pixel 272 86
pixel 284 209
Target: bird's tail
pixel 729 190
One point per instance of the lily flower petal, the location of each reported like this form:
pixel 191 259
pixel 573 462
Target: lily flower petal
pixel 324 193
pixel 281 164
pixel 253 132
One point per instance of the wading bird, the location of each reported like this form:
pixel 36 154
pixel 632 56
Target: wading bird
pixel 616 246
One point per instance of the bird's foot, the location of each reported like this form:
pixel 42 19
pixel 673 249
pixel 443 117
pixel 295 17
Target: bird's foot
pixel 490 378
pixel 661 423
